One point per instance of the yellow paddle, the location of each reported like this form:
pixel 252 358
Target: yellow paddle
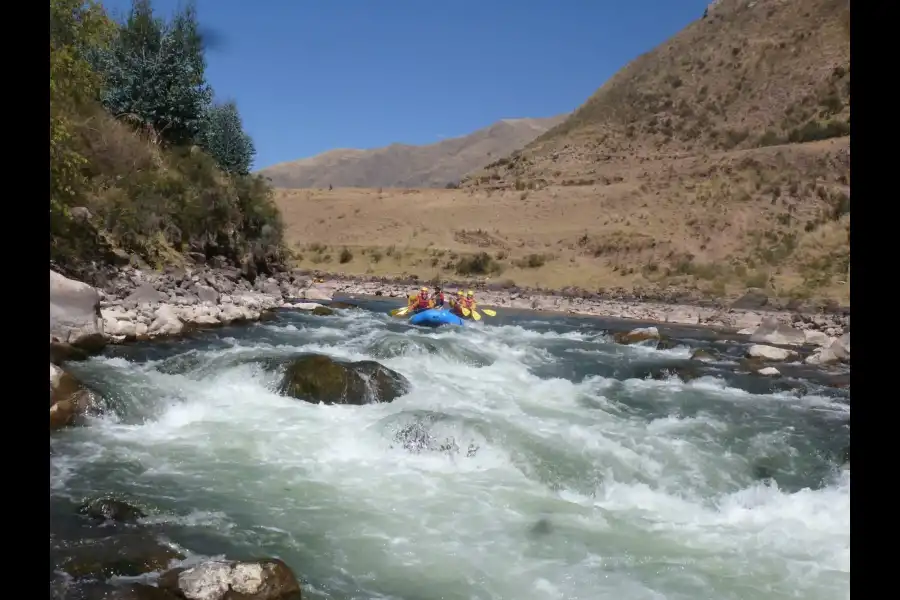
pixel 465 311
pixel 489 312
pixel 476 315
pixel 399 312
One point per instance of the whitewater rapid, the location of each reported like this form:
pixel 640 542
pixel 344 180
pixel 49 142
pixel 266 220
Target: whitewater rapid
pixel 572 479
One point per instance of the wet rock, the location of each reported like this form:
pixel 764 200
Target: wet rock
pixel 634 336
pixel 683 372
pixel 322 311
pixel 754 299
pixel 841 347
pixel 128 554
pixel 703 355
pixel 74 311
pixel 343 305
pixel 771 331
pixel 763 352
pixel 111 509
pixel 665 343
pixel 769 372
pixel 317 378
pixel 68 398
pixel 542 527
pixel 269 579
pixel 96 590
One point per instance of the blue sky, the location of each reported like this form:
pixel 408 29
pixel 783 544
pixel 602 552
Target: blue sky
pixel 314 75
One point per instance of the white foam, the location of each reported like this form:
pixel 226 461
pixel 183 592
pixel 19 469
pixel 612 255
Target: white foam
pixel 637 507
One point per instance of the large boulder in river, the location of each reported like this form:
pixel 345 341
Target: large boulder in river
pixel 124 554
pixel 771 331
pixel 74 312
pixel 268 579
pixel 317 378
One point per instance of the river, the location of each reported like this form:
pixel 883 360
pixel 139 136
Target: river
pixel 567 473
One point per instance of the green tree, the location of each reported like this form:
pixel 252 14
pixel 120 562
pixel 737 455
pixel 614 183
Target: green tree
pixel 155 74
pixel 76 27
pixel 224 138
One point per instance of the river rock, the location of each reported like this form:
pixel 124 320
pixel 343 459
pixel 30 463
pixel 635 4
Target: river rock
pixel 823 356
pixel 769 372
pixel 817 338
pixel 125 554
pixel 317 378
pixel 637 335
pixel 68 398
pixel 703 355
pixel 269 579
pixel 111 509
pixel 771 331
pixel 74 312
pixel 769 353
pixel 166 321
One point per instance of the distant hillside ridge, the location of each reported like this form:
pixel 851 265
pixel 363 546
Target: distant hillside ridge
pixel 408 166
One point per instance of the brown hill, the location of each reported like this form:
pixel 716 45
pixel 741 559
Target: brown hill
pixel 407 166
pixel 718 161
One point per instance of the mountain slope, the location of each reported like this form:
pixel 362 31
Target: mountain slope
pixel 717 162
pixel 407 166
pixel 748 74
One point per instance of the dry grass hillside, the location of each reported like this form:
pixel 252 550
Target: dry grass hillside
pixel 406 166
pixel 719 161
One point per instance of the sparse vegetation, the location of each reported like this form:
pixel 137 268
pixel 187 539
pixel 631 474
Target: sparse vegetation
pixel 154 168
pixel 714 163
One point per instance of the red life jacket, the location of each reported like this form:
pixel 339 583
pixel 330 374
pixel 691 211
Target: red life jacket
pixel 422 300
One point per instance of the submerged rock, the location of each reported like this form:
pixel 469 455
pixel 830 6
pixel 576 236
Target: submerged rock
pixel 703 355
pixel 112 509
pixel 269 579
pixel 129 555
pixel 317 378
pixel 322 311
pixel 634 336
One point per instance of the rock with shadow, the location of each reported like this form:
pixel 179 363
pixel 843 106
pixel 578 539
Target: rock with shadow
pixel 267 579
pixel 316 378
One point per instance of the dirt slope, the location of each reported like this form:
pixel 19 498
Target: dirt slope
pixel 407 166
pixel 718 161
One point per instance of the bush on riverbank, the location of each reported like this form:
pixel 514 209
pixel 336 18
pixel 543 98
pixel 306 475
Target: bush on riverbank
pixel 142 162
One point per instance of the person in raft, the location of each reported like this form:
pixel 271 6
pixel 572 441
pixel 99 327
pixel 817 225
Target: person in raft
pixel 421 301
pixel 456 304
pixel 470 300
pixel 438 298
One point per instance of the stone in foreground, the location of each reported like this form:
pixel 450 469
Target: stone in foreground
pixel 268 579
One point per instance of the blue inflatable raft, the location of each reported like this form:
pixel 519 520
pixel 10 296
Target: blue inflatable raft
pixel 434 317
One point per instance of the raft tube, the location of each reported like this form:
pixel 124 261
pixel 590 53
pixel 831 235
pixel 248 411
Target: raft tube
pixel 434 317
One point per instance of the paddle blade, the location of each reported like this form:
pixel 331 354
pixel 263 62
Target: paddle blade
pixel 476 315
pixel 399 312
pixel 489 312
pixel 464 311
